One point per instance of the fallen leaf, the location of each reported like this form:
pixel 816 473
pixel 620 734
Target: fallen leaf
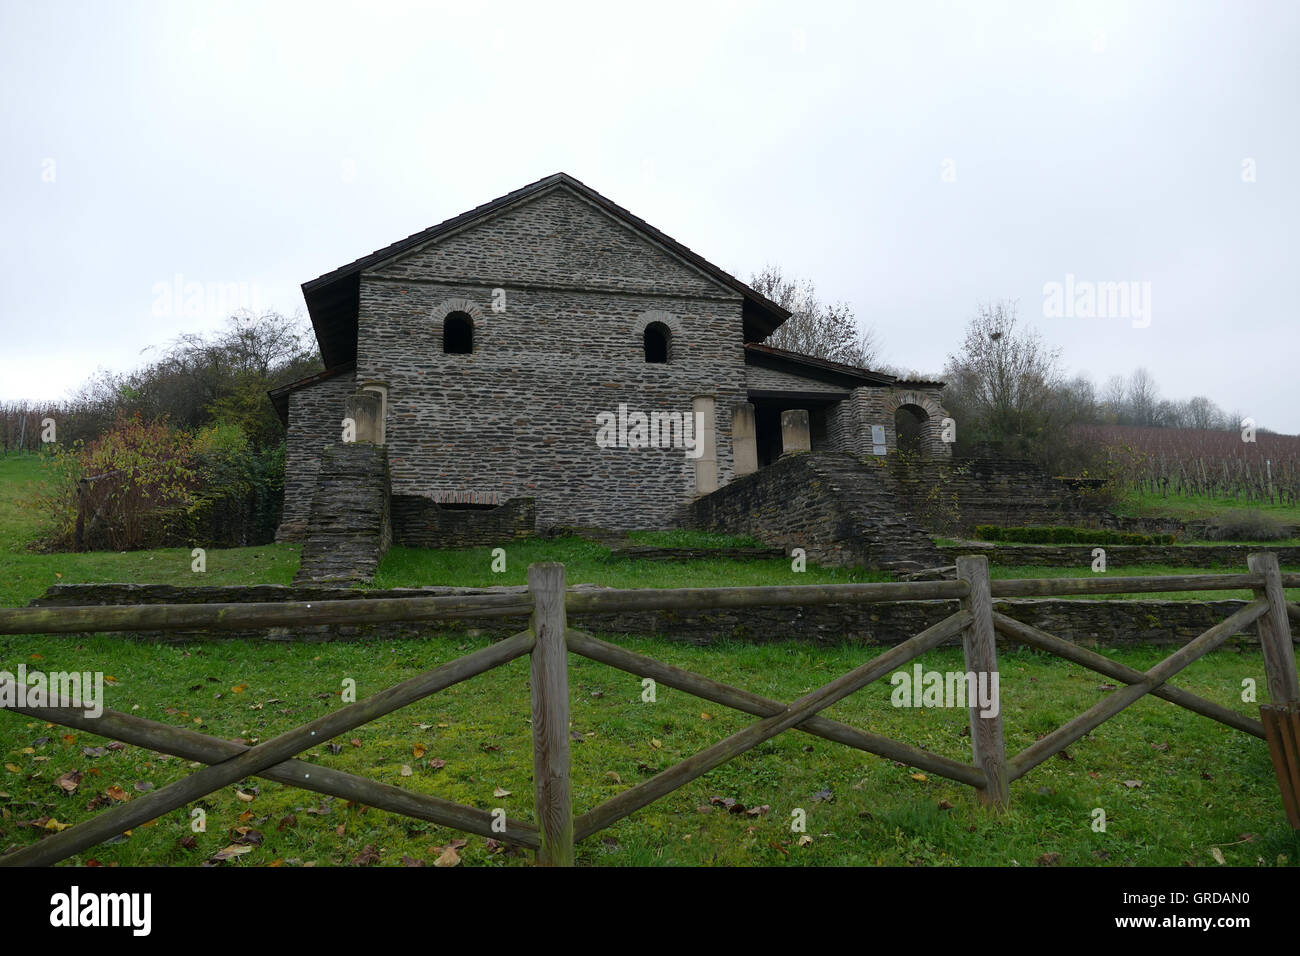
pixel 449 857
pixel 287 822
pixel 945 805
pixel 706 716
pixel 500 792
pixel 53 824
pixel 437 763
pixel 367 857
pixel 70 781
pixel 824 796
pixel 918 776
pixel 1218 855
pixel 117 793
pixel 805 840
pixel 1048 859
pixel 657 744
pixel 1132 784
pixel 142 786
pixel 245 795
pixel 419 751
pixel 613 776
pixel 406 770
pixel 231 852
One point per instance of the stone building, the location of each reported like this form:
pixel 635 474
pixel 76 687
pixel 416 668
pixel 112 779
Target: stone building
pixel 549 358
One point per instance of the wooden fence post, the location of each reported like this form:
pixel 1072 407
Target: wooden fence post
pixel 550 692
pixel 979 645
pixel 1275 632
pixel 1281 715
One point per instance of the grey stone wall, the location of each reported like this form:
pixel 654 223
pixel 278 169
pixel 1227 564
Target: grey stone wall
pixel 989 491
pixel 419 522
pixel 315 420
pixel 349 526
pixel 517 416
pixel 828 503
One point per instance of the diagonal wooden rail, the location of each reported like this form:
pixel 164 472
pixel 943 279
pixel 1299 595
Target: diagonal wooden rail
pixel 796 713
pixel 192 745
pixel 265 755
pixel 549 640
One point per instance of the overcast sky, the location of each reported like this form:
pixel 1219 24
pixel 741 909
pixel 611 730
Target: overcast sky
pixel 913 159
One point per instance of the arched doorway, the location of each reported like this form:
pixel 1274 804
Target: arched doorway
pixel 911 428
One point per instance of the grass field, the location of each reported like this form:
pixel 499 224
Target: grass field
pixel 1175 788
pixel 1187 507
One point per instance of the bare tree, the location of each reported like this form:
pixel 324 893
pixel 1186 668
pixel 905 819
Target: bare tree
pixel 1143 398
pixel 1005 387
pixel 821 329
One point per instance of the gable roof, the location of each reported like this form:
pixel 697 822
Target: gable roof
pixel 809 366
pixel 332 299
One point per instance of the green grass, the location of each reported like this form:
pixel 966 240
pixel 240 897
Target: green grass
pixel 1188 507
pixel 587 562
pixel 25 574
pixel 688 538
pixel 1202 785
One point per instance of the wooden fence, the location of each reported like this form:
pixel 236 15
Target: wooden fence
pixel 548 641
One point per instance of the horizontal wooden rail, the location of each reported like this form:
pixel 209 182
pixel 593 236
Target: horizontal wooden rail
pixel 1105 584
pixel 418 609
pixel 1103 710
pixel 254 760
pixel 614 600
pixel 750 703
pixel 1027 634
pixel 665 782
pixel 236 617
pixel 192 745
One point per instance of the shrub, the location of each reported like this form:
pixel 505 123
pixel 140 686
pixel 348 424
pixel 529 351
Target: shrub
pixel 125 489
pixel 146 485
pixel 1245 525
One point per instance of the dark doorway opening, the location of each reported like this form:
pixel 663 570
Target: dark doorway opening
pixel 767 424
pixel 911 422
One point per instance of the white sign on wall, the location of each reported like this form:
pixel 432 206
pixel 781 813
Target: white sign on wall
pixel 878 439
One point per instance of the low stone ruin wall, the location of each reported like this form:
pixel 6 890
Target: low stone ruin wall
pixel 1113 623
pixel 1121 555
pixel 420 522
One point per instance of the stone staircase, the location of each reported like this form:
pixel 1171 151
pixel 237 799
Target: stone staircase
pixel 840 510
pixel 350 527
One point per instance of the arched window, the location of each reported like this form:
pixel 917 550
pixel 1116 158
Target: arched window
pixel 657 339
pixel 458 334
